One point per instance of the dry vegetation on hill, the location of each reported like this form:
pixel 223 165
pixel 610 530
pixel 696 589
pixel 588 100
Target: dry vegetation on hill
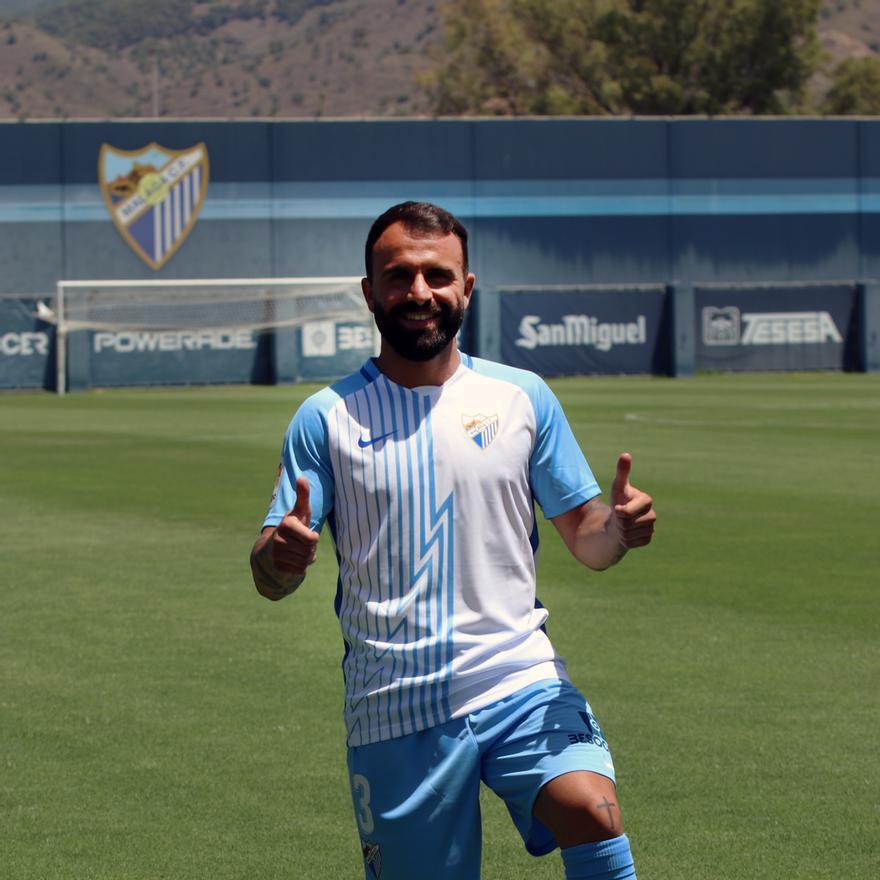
pixel 850 28
pixel 267 58
pixel 345 58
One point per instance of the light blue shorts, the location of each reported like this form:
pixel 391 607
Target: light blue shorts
pixel 416 797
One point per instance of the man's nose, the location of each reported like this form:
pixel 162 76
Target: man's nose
pixel 419 289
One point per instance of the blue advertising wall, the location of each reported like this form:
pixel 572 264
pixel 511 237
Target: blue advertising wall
pixel 550 203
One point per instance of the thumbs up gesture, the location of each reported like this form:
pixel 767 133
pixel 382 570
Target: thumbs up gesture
pixel 633 509
pixel 294 544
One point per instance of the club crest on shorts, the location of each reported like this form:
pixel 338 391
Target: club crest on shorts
pixel 372 858
pixel 481 429
pixel 154 196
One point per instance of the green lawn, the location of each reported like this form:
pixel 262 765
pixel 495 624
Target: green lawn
pixel 158 719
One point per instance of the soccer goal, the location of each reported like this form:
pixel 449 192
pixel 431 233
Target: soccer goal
pixel 166 309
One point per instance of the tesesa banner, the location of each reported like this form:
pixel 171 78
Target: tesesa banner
pixel 780 328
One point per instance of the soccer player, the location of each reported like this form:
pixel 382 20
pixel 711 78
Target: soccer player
pixel 426 464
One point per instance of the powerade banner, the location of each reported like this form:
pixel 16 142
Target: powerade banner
pixel 110 358
pixel 573 332
pixel 319 350
pixel 26 346
pixel 781 328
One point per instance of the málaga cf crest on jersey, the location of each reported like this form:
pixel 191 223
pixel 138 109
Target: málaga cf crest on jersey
pixel 154 196
pixel 481 429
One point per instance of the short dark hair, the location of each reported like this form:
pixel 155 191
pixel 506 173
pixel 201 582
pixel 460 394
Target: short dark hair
pixel 420 217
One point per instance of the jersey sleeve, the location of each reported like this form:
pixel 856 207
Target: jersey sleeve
pixel 304 453
pixel 559 474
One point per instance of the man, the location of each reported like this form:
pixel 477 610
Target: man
pixel 426 465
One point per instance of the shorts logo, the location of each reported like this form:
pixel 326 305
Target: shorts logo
pixel 594 735
pixel 481 429
pixel 372 858
pixel 154 196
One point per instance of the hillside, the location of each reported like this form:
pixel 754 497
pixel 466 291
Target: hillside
pixel 850 28
pixel 342 58
pixel 256 58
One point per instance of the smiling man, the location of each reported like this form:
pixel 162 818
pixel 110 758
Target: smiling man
pixel 418 298
pixel 426 465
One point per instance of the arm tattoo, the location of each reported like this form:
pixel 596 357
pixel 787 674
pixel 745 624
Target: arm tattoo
pixel 275 582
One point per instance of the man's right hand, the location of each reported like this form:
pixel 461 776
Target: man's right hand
pixel 294 544
pixel 282 554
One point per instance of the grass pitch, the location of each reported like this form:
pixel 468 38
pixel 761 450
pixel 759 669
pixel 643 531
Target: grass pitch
pixel 158 719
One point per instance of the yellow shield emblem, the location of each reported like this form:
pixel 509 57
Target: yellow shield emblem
pixel 154 196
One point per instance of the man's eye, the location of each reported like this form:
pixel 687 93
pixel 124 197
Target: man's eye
pixel 439 277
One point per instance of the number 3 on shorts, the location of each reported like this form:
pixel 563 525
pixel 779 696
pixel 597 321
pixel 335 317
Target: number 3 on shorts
pixel 360 788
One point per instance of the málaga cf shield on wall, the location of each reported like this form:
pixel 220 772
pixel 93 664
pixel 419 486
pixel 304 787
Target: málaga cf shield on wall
pixel 154 196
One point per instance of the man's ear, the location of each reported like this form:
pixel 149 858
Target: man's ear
pixel 367 290
pixel 469 288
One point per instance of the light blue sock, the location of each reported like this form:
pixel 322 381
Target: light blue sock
pixel 605 860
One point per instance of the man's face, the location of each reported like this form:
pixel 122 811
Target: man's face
pixel 418 292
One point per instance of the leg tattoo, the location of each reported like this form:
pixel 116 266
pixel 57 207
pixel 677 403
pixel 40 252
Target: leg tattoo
pixel 605 805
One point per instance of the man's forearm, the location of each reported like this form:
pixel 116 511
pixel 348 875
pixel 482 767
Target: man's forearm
pixel 591 535
pixel 597 541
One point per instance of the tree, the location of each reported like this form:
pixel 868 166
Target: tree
pixel 624 56
pixel 505 57
pixel 711 56
pixel 855 88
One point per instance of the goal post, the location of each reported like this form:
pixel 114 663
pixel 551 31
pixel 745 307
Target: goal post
pixel 181 309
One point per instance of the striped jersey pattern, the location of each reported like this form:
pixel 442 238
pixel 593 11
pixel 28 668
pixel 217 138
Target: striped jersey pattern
pixel 429 495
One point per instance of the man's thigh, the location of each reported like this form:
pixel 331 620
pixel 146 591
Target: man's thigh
pixel 550 730
pixel 416 801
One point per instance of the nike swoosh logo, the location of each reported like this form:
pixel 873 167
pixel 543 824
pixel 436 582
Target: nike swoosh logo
pixel 371 440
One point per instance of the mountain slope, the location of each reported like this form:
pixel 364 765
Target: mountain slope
pixel 344 58
pixel 257 58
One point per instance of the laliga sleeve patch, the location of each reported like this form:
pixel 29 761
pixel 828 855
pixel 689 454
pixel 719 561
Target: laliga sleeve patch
pixel 277 483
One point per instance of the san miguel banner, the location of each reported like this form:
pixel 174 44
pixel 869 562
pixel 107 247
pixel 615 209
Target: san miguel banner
pixel 573 332
pixel 774 328
pixel 154 196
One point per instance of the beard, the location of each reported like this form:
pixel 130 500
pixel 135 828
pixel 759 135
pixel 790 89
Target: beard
pixel 418 345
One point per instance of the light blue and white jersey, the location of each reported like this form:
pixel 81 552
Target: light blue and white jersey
pixel 429 493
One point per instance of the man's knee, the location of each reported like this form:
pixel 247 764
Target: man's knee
pixel 579 807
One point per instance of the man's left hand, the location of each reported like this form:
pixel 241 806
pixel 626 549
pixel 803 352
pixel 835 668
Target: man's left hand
pixel 633 509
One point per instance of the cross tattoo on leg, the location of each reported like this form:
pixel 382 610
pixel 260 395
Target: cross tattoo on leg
pixel 605 805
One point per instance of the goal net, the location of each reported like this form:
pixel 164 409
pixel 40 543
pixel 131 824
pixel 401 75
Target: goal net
pixel 198 305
